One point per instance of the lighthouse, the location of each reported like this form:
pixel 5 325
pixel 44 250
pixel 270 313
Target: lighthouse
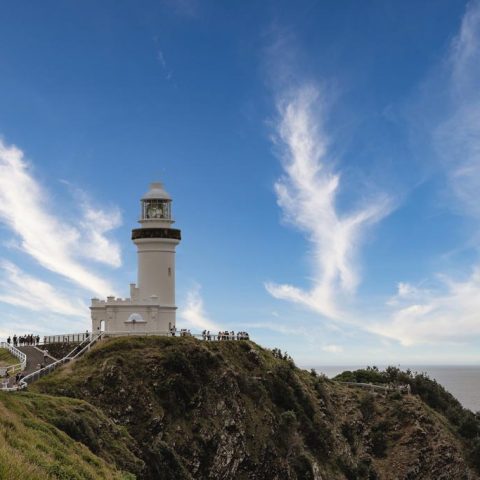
pixel 151 307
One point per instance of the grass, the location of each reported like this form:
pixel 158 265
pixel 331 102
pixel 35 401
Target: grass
pixel 7 359
pixel 32 447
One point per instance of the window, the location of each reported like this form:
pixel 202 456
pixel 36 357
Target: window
pixel 169 271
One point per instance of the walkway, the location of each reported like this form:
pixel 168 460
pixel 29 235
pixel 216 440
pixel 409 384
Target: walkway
pixel 382 388
pixel 34 360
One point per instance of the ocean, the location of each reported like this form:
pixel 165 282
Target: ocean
pixel 463 382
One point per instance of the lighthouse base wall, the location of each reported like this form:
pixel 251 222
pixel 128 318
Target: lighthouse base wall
pixel 128 317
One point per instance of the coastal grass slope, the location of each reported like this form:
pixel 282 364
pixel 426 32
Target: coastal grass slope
pixel 44 437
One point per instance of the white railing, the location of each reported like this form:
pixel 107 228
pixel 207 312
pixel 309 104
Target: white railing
pixel 66 338
pixel 384 388
pixel 18 367
pixel 75 353
pixel 179 333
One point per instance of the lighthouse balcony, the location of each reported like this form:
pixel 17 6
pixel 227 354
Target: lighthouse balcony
pixel 166 233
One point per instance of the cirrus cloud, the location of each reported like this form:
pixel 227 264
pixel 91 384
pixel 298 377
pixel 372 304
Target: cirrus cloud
pixel 55 243
pixel 307 194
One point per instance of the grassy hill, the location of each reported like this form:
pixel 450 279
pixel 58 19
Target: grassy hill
pixel 233 410
pixel 44 437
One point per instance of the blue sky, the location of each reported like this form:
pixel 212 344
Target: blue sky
pixel 323 157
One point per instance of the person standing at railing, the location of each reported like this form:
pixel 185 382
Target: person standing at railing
pixel 14 340
pixel 9 340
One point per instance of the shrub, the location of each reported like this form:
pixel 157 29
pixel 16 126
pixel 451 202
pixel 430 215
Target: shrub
pixel 348 431
pixel 379 439
pixel 367 406
pixel 303 468
pixel 474 454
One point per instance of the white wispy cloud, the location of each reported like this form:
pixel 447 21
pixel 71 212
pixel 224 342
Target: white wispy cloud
pixel 94 224
pixel 290 330
pixel 55 243
pixel 193 312
pixel 22 290
pixel 457 132
pixel 307 194
pixel 332 348
pixel 451 311
pixel 163 63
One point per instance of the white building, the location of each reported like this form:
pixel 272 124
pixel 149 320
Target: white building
pixel 151 306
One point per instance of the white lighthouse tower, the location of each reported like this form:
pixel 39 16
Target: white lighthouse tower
pixel 151 306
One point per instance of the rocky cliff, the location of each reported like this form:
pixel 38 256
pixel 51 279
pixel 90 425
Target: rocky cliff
pixel 233 410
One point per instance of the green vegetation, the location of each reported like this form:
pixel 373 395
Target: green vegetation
pixel 33 447
pixel 6 358
pixel 465 423
pixel 178 408
pixel 235 410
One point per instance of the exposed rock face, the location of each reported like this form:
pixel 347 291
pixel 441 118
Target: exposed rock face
pixel 232 410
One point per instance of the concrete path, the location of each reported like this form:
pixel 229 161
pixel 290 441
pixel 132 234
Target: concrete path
pixel 34 359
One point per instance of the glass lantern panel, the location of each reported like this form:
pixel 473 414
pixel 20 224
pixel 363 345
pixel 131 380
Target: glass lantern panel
pixel 156 209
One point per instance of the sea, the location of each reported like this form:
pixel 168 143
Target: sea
pixel 463 382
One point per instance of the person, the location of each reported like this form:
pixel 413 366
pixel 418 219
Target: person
pixel 209 337
pixel 15 340
pixel 9 340
pixel 38 339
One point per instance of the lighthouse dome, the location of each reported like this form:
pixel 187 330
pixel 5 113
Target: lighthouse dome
pixel 156 192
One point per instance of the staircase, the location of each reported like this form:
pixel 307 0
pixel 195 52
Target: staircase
pixel 35 358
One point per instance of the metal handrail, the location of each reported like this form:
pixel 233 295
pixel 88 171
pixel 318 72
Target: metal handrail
pixel 53 366
pixel 65 338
